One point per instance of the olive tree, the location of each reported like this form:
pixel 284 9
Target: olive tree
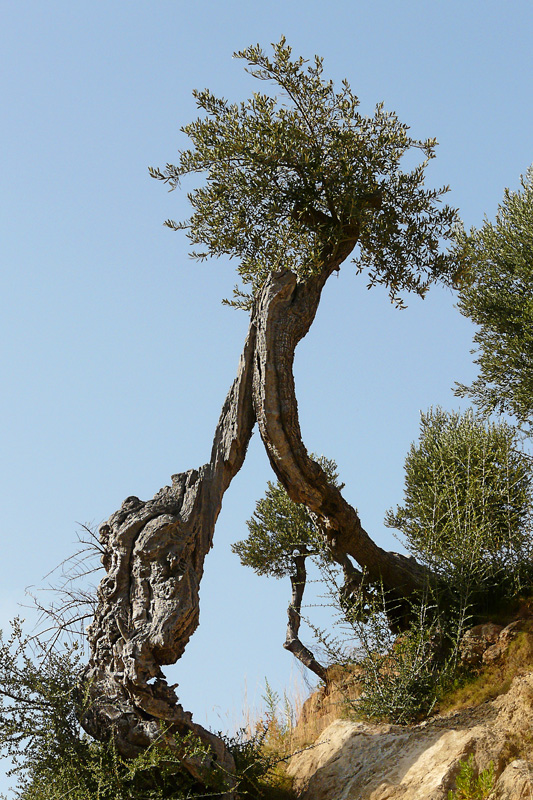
pixel 293 180
pixel 497 295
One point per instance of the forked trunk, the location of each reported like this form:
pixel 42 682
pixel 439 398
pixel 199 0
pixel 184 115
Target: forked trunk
pixel 148 602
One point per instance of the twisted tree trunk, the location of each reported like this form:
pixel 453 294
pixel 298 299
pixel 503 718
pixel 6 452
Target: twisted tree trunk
pixel 286 311
pixel 148 603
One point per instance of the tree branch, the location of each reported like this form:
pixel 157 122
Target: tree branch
pixel 292 641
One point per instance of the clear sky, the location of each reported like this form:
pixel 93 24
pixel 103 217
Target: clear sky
pixel 116 351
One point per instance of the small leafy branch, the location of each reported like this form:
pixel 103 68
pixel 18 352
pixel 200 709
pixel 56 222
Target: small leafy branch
pixel 471 784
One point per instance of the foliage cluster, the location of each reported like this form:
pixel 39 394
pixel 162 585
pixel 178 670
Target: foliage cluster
pixel 467 506
pixel 52 758
pixel 402 676
pixel 291 177
pixel 471 784
pixel 467 515
pixel 497 295
pixel 279 528
pixel 259 761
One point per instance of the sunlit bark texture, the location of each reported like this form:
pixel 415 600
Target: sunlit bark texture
pixel 148 602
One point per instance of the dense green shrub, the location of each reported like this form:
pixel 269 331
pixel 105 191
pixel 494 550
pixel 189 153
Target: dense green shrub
pixel 467 506
pixel 402 677
pixel 467 516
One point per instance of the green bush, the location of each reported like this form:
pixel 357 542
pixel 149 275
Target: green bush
pixel 471 785
pixel 466 515
pixel 496 295
pixel 52 758
pixel 467 507
pixel 402 677
pixel 400 682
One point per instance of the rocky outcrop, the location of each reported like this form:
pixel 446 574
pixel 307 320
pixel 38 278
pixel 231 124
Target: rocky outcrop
pixel 362 761
pixel 515 782
pixel 327 704
pixel 476 641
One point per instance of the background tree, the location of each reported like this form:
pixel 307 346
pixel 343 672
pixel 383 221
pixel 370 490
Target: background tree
pixel 497 295
pixel 292 185
pixel 467 505
pixel 281 537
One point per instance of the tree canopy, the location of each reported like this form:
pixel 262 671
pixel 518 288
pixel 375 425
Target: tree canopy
pixel 290 176
pixel 497 296
pixel 279 529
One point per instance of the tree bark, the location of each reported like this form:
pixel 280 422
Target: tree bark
pixel 148 602
pixel 286 311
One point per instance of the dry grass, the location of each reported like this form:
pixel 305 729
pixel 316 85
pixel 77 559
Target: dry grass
pixel 494 680
pixel 272 729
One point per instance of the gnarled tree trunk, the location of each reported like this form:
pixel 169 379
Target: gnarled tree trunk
pixel 154 551
pixel 285 313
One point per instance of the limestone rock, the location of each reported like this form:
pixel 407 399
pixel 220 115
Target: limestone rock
pixel 497 650
pixel 362 761
pixel 515 782
pixel 476 641
pixel 327 703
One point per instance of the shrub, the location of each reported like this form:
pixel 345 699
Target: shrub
pixel 40 704
pixel 402 677
pixel 471 785
pixel 466 513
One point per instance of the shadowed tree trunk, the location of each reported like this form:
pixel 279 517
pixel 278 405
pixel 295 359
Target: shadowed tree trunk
pixel 294 612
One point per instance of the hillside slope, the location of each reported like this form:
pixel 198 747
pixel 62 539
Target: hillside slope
pixel 355 760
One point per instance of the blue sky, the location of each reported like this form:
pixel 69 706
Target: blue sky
pixel 116 352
